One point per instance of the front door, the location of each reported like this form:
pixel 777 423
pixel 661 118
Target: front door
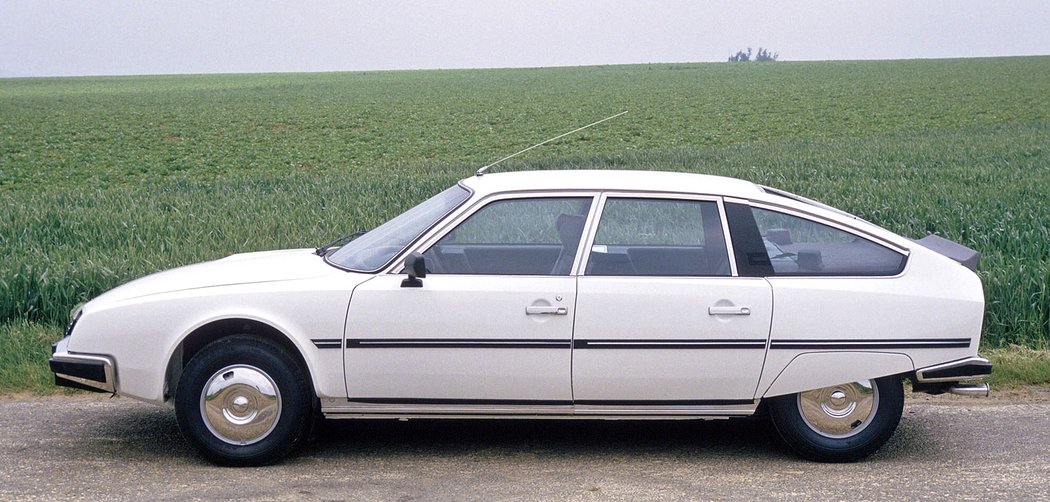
pixel 490 325
pixel 460 338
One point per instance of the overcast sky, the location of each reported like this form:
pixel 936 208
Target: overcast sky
pixel 114 37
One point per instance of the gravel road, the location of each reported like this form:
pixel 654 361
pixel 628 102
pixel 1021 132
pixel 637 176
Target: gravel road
pixel 90 448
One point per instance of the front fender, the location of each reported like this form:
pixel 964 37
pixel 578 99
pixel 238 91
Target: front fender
pixel 813 370
pixel 141 335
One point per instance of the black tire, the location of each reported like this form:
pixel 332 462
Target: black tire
pixel 272 423
pixel 861 438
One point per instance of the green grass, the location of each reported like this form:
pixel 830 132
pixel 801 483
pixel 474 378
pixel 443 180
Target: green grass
pixel 68 131
pixel 23 362
pixel 106 179
pixel 1016 366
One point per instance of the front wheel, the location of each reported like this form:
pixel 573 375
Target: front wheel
pixel 842 423
pixel 244 401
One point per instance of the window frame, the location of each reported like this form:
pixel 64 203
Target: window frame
pixel 445 227
pixel 399 256
pixel 591 230
pixel 856 232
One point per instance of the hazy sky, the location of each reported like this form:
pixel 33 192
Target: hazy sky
pixel 111 37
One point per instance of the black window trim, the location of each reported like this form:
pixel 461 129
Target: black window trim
pixel 749 251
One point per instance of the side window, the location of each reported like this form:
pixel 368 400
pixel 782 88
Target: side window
pixel 513 237
pixel 659 237
pixel 797 246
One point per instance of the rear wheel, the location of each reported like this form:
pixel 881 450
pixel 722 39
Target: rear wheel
pixel 244 401
pixel 841 423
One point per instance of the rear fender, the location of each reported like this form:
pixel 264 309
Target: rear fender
pixel 814 370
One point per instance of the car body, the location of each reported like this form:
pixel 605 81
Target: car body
pixel 552 294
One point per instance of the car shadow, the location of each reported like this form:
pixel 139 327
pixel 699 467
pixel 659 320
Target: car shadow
pixel 547 438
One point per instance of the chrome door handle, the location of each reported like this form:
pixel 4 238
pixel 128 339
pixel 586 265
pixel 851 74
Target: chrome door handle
pixel 729 310
pixel 547 310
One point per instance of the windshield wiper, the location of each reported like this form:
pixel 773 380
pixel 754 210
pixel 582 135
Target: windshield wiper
pixel 338 242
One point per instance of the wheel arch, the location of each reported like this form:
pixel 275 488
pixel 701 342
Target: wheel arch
pixel 216 329
pixel 814 370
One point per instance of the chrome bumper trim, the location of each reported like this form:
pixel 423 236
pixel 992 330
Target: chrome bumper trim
pixel 60 354
pixel 970 368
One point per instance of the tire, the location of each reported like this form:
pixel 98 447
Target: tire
pixel 843 423
pixel 244 401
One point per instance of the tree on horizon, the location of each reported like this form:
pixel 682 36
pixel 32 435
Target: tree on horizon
pixel 762 56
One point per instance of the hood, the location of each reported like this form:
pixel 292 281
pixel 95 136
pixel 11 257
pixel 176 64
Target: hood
pixel 245 268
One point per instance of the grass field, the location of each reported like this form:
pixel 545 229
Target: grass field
pixel 106 179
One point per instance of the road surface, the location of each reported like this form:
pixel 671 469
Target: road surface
pixel 77 447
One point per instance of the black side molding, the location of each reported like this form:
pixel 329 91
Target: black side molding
pixel 872 344
pixel 328 343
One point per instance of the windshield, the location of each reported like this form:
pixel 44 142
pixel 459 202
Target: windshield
pixel 373 250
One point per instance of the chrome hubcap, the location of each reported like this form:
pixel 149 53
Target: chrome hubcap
pixel 240 404
pixel 840 411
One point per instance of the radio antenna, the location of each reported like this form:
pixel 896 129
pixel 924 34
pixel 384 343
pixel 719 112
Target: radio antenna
pixel 481 171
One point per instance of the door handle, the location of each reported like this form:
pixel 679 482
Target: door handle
pixel 545 310
pixel 729 310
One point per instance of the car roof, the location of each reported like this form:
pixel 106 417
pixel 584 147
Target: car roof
pixel 669 182
pixel 611 180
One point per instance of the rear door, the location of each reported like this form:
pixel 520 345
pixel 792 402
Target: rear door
pixel 662 318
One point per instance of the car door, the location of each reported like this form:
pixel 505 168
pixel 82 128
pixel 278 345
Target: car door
pixel 661 317
pixel 491 322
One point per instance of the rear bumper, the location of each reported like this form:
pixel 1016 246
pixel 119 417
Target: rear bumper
pixel 971 368
pixel 81 371
pixel 957 377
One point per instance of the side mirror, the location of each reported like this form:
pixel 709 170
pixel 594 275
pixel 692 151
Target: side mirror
pixel 416 268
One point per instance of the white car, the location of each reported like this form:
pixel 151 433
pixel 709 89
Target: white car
pixel 555 294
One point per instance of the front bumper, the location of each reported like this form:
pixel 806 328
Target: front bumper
pixel 82 371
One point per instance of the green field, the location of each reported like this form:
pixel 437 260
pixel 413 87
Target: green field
pixel 106 179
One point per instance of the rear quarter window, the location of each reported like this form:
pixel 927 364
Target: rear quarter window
pixel 801 247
